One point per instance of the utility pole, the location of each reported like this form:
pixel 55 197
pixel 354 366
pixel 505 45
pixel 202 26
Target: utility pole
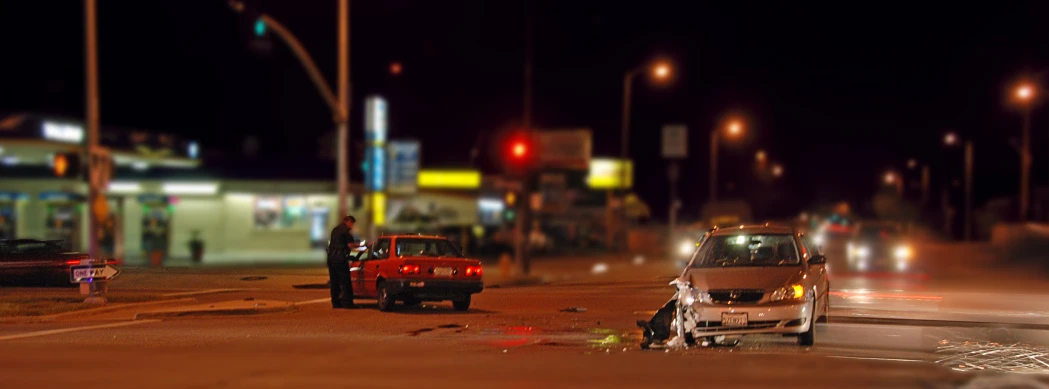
pixel 968 190
pixel 524 205
pixel 925 185
pixel 92 114
pixel 340 105
pixel 95 196
pixel 714 166
pixel 343 112
pixel 1025 165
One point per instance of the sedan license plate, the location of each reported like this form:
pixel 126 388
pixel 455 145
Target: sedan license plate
pixel 443 272
pixel 418 284
pixel 733 319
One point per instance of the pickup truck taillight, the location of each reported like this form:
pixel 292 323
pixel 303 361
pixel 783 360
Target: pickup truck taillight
pixel 408 269
pixel 473 271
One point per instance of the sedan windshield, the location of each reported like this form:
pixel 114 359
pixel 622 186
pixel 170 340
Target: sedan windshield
pixel 426 248
pixel 748 250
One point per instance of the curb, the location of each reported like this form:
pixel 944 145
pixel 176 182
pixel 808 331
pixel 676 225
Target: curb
pixel 255 310
pixel 91 311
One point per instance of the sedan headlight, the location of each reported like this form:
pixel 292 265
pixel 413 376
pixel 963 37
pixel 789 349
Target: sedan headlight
pixel 818 239
pixel 903 252
pixel 862 251
pixel 789 292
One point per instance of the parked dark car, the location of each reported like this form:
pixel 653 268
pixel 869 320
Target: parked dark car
pixel 32 261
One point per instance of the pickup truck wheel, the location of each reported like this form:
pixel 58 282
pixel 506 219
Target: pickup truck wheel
pixel 462 305
pixel 385 302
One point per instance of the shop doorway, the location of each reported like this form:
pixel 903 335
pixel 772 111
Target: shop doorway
pixel 319 227
pixel 156 225
pixel 63 223
pixel 8 220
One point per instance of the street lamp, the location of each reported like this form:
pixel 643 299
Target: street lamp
pixel 968 184
pixel 1025 94
pixel 777 170
pixel 660 71
pixel 950 139
pixel 734 128
pixel 894 179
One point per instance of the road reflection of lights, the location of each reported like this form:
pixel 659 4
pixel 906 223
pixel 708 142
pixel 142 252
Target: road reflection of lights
pixel 862 265
pixel 988 356
pixel 599 268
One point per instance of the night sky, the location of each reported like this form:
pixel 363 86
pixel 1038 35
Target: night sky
pixel 837 92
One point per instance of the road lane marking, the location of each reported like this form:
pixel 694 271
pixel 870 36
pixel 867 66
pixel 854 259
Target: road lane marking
pixel 875 358
pixel 317 301
pixel 206 291
pixel 75 329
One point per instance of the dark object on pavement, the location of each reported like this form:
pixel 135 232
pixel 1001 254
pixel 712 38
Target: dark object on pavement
pixel 312 286
pixel 254 278
pixel 657 330
pixel 419 331
pixel 574 309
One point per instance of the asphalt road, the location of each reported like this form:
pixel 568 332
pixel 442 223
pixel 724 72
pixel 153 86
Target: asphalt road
pixel 884 332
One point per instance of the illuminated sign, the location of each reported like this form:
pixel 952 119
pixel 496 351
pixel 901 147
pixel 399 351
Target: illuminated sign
pixel 378 208
pixel 403 166
pixel 449 179
pixel 190 188
pixel 608 173
pixel 375 120
pixel 375 168
pixel 124 187
pixel 60 132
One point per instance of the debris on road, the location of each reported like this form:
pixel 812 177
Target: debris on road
pixel 254 278
pixel 574 309
pixel 419 331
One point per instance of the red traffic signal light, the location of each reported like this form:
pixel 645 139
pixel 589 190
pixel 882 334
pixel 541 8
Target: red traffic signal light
pixel 519 149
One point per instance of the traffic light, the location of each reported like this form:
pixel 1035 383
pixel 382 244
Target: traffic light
pixel 260 28
pixel 66 165
pixel 519 154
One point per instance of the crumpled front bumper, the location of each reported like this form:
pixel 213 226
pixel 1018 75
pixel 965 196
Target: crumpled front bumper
pixel 703 320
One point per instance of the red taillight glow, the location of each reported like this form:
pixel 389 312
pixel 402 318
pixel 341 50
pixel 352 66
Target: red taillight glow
pixel 73 262
pixel 473 271
pixel 408 269
pixel 111 262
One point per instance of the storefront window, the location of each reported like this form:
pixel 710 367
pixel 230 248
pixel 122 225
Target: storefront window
pixel 281 212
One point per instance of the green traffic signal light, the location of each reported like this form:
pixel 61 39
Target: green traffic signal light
pixel 260 27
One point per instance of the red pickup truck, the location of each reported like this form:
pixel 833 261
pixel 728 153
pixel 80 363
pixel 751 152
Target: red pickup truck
pixel 413 269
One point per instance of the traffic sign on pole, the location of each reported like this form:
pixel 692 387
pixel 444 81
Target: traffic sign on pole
pixel 675 141
pixel 101 167
pixel 92 273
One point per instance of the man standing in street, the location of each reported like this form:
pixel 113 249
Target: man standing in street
pixel 340 246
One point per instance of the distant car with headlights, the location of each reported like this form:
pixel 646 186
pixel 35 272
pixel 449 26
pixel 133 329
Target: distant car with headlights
pixel 880 246
pixel 742 281
pixel 413 269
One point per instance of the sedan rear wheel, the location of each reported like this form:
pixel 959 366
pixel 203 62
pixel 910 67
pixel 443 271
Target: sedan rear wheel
pixel 463 304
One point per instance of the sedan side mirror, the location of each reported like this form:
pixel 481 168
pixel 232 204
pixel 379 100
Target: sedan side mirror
pixel 818 259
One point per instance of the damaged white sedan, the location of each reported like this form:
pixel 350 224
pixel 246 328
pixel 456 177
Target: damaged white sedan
pixel 743 281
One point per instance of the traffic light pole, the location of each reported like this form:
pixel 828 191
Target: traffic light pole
pixel 523 220
pixel 96 290
pixel 340 106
